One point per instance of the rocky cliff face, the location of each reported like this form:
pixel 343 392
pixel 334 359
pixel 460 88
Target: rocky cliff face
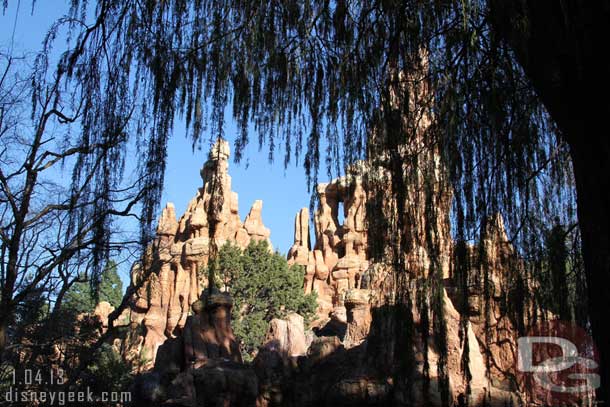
pixel 419 319
pixel 353 290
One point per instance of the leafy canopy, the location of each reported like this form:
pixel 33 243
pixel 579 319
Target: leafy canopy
pixel 335 76
pixel 110 287
pixel 79 298
pixel 333 82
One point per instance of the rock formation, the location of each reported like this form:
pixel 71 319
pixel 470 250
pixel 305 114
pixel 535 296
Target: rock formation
pixel 357 286
pixel 203 366
pixel 358 310
pixel 345 360
pixel 287 336
pixel 208 334
pixel 173 278
pixel 339 257
pixel 101 311
pixel 351 287
pixel 480 332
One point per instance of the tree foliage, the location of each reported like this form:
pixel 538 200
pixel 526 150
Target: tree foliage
pixel 81 297
pixel 314 76
pixel 110 287
pixel 57 197
pixel 263 287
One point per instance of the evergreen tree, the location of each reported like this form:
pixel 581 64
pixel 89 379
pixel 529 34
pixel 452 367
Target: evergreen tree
pixel 82 298
pixel 263 287
pixel 109 372
pixel 111 287
pixel 78 299
pixel 33 309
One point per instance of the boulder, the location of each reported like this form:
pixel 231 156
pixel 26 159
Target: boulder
pixel 287 336
pixel 102 311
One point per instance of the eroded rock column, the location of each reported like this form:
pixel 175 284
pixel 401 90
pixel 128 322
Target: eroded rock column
pixel 358 308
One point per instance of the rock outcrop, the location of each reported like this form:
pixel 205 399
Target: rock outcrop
pixel 203 366
pixel 339 257
pixel 174 276
pixel 479 357
pixel 208 334
pixel 353 290
pixel 356 290
pixel 287 336
pixel 101 311
pixel 351 355
pixel 372 273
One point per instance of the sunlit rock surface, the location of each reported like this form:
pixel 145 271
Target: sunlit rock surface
pixel 364 347
pixel 177 257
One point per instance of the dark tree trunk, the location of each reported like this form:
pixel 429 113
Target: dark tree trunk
pixel 557 259
pixel 3 336
pixel 591 168
pixel 562 47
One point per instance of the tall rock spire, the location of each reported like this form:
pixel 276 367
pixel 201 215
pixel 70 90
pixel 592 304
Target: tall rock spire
pixel 181 250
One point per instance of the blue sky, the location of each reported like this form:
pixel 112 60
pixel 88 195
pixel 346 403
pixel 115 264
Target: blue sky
pixel 283 192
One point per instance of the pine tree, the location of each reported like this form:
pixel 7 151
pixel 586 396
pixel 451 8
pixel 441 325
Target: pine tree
pixel 78 299
pixel 82 298
pixel 111 286
pixel 263 287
